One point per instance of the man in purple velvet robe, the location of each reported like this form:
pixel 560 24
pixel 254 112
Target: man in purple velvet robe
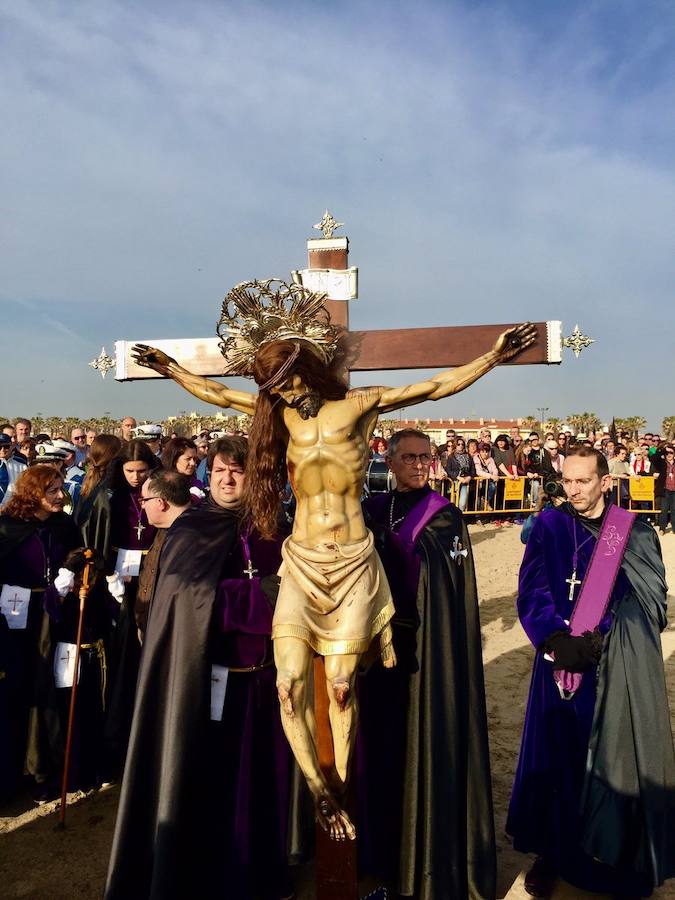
pixel 424 795
pixel 204 801
pixel 594 794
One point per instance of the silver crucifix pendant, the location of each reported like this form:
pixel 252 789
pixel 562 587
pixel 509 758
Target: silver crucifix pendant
pixel 139 530
pixel 249 570
pixel 573 581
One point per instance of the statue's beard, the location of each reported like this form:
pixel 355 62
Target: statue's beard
pixel 308 405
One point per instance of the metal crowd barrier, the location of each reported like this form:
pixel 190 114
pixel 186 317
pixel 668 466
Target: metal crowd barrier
pixel 519 496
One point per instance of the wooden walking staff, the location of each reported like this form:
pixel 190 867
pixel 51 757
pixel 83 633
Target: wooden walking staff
pixel 84 593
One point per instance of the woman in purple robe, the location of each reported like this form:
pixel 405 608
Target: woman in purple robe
pixel 35 536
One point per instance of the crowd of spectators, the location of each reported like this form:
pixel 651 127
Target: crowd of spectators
pixel 477 468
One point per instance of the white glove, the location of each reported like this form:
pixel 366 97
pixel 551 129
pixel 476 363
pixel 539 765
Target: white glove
pixel 116 586
pixel 64 582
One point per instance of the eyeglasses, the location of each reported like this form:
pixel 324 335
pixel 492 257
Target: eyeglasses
pixel 410 459
pixel 79 437
pixel 144 500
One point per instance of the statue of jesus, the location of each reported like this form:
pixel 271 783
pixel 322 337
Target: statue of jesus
pixel 334 600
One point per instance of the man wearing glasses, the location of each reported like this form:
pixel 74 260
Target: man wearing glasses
pixel 79 439
pixel 404 753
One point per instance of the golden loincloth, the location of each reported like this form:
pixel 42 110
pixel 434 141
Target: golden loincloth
pixel 336 598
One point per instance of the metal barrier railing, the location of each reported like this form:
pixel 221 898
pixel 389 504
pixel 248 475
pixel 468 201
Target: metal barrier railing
pixel 519 496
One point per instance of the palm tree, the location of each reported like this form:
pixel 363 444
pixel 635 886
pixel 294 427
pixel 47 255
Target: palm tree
pixel 583 422
pixel 632 424
pixel 554 425
pixel 668 426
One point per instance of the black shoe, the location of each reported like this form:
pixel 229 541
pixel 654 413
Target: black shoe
pixel 540 880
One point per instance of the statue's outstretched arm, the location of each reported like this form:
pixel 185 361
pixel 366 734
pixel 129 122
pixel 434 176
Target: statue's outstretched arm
pixel 509 344
pixel 204 388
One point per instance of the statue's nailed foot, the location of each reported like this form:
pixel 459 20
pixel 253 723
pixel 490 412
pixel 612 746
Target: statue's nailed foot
pixel 334 820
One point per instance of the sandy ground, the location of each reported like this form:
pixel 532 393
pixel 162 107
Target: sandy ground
pixel 38 862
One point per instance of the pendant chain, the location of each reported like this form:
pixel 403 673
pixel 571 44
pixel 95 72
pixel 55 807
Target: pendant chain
pixel 392 521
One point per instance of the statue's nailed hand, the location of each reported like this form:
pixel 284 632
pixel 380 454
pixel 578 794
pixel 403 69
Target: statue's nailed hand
pixel 513 341
pixel 151 358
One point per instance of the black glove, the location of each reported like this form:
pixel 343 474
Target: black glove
pixel 270 588
pixel 575 654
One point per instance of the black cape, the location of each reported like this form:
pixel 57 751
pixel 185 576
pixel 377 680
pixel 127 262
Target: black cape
pixel 628 809
pixel 93 518
pixel 14 531
pixel 424 774
pixel 165 839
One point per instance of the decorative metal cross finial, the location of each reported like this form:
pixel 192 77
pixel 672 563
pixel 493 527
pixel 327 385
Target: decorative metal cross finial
pixel 577 341
pixel 458 551
pixel 328 225
pixel 103 363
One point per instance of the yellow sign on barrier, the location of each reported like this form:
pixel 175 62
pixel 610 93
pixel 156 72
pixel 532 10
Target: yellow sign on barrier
pixel 642 488
pixel 514 490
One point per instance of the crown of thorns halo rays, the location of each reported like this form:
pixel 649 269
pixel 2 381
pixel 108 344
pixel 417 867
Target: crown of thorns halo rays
pixel 256 312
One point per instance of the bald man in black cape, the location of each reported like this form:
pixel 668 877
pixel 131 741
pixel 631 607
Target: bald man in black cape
pixel 165 843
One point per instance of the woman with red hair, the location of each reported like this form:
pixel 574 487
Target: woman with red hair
pixel 35 537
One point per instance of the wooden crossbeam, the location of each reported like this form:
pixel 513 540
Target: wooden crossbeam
pixel 380 350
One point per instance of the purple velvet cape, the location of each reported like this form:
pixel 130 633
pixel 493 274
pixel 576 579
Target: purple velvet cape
pixel 577 793
pixel 424 794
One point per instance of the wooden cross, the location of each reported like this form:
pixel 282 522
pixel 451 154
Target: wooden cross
pixel 441 347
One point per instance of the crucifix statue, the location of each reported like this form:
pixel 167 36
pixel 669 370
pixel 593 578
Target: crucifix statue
pixel 294 340
pixel 308 425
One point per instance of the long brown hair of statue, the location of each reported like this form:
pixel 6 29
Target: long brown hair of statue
pixel 266 464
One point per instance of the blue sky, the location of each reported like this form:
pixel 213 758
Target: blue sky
pixel 492 161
